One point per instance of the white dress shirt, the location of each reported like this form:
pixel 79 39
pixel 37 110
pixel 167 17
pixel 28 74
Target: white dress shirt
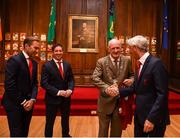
pixel 26 56
pixel 27 59
pixel 142 61
pixel 113 60
pixel 56 61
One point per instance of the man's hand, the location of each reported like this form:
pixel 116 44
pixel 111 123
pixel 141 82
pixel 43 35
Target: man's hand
pixel 68 93
pixel 64 93
pixel 148 126
pixel 61 93
pixel 28 104
pixel 112 90
pixel 128 82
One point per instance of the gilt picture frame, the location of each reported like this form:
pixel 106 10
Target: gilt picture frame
pixel 83 33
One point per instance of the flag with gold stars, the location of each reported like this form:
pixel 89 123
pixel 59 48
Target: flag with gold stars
pixel 165 25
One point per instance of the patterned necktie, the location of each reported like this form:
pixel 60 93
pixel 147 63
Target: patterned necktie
pixel 61 70
pixel 30 67
pixel 116 64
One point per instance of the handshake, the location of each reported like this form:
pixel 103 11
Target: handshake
pixel 112 90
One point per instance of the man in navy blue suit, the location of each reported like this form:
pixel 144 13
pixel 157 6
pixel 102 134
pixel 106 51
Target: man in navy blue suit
pixel 21 88
pixel 58 81
pixel 151 88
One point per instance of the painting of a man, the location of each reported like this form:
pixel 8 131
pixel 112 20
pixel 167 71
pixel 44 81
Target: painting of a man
pixel 83 35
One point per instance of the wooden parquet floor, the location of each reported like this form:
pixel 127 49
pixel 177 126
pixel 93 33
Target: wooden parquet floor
pixel 82 126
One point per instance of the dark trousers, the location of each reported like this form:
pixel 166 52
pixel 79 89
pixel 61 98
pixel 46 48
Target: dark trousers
pixel 51 112
pixel 18 121
pixel 158 131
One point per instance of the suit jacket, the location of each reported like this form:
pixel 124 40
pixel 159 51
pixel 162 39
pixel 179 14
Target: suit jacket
pixel 105 75
pixel 151 93
pixel 18 84
pixel 52 81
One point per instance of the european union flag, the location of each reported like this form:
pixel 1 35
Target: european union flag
pixel 111 21
pixel 165 25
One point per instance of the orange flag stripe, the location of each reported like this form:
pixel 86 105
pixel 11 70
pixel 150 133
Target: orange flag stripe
pixel 0 31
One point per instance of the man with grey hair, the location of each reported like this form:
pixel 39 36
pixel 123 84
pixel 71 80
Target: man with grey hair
pixel 151 88
pixel 111 71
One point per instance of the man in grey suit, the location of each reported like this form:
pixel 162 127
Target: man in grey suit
pixel 111 70
pixel 150 85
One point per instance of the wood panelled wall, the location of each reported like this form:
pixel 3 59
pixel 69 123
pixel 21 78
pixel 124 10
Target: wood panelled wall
pixel 132 17
pixel 175 38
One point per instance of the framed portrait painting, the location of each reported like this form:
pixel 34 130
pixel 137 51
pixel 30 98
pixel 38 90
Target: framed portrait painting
pixel 82 33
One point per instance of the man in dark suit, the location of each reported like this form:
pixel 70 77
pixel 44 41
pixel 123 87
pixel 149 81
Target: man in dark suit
pixel 58 81
pixel 151 88
pixel 21 88
pixel 110 71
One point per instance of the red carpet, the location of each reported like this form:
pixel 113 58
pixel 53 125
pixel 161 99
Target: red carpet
pixel 84 102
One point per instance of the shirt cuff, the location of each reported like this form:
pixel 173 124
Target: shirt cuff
pixel 34 100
